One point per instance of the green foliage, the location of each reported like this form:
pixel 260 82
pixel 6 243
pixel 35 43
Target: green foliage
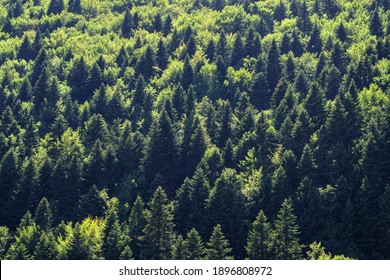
pixel 230 106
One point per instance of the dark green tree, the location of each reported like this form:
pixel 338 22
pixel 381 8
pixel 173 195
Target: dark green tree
pixel 158 235
pixel 286 234
pixel 258 245
pixel 218 247
pixel 273 68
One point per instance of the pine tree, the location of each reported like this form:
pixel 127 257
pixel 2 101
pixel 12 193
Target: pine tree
pixel 304 22
pixel 218 247
pixel 341 33
pixel 146 63
pixel 258 246
pixel 78 247
pixel 75 6
pixel 77 77
pixel 285 236
pixel 210 50
pixel 307 166
pixel 158 235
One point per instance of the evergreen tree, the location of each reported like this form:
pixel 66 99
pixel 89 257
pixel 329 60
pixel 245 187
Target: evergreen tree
pixel 55 7
pixel 273 68
pixel 47 248
pixel 25 50
pixel 193 246
pixel 136 225
pixel 238 51
pixel 218 246
pixel 167 25
pixel 376 24
pixel 258 246
pixel 280 11
pixel 158 235
pixel 227 207
pixel 112 245
pixel 188 74
pixel 285 237
pixel 162 57
pixel 315 105
pixel 43 215
pixel 160 151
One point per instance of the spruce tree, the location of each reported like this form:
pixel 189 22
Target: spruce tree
pixel 193 246
pixel 160 151
pixel 158 235
pixel 47 248
pixel 273 68
pixel 218 247
pixel 258 246
pixel 43 215
pixel 55 7
pixel 137 223
pixel 285 236
pixel 376 24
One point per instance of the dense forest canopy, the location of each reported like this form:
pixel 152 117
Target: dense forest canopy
pixel 202 129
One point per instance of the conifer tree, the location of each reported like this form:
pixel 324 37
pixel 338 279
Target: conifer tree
pixel 218 247
pixel 285 236
pixel 43 215
pixel 188 74
pixel 258 246
pixel 112 245
pixel 376 24
pixel 55 7
pixel 160 151
pixel 47 248
pixel 315 105
pixel 280 11
pixel 193 246
pixel 178 249
pixel 158 235
pixel 226 206
pixel 136 225
pixel 273 68
pixel 238 51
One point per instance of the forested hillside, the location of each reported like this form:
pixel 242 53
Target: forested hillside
pixel 201 129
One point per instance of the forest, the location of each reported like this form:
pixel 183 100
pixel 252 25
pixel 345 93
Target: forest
pixel 200 129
